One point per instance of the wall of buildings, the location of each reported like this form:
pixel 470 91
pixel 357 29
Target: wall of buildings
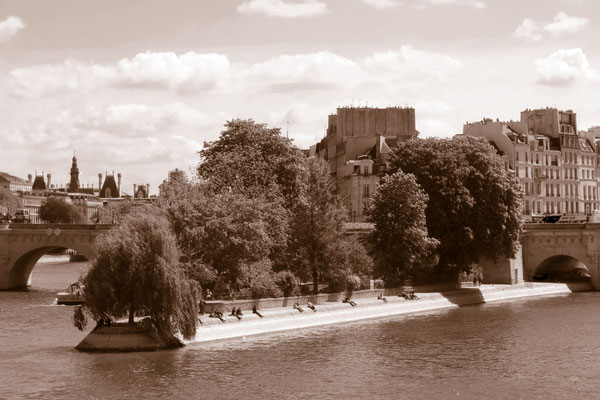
pixel 557 168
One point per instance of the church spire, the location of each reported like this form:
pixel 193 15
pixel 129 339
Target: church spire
pixel 74 184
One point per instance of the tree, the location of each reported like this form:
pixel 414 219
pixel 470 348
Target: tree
pixel 55 210
pixel 9 202
pixel 349 265
pixel 114 212
pixel 252 159
pixel 136 273
pixel 317 222
pixel 474 202
pixel 221 234
pixel 400 242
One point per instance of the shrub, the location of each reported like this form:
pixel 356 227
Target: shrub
pixel 287 283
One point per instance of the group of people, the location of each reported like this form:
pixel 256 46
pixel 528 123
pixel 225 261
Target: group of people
pixel 408 294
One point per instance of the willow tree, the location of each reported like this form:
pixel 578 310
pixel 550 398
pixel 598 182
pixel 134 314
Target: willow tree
pixel 136 274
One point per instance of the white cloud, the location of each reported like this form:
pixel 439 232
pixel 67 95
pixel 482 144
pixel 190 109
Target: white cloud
pixel 470 3
pixel 320 70
pixel 411 66
pixel 47 79
pixel 529 29
pixel 561 24
pixel 9 27
pixel 564 23
pixel 564 67
pixel 284 9
pixel 185 73
pixel 194 73
pixel 382 4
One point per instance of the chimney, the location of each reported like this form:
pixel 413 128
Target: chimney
pixel 29 177
pixel 49 176
pixel 99 181
pixel 119 184
pixel 134 190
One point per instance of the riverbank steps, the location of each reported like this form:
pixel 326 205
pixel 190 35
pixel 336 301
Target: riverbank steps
pixel 287 318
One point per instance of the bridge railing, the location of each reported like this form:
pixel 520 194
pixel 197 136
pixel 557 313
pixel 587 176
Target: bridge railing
pixel 65 227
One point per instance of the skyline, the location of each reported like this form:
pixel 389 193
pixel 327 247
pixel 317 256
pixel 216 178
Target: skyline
pixel 137 88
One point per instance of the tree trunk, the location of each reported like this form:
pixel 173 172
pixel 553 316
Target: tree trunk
pixel 131 313
pixel 315 280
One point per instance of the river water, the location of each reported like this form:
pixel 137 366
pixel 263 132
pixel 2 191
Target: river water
pixel 543 348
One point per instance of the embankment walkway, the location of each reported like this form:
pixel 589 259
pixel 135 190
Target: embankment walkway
pixel 287 318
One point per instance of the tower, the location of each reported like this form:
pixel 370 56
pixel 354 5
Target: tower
pixel 74 184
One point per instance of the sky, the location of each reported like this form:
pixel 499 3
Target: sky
pixel 138 86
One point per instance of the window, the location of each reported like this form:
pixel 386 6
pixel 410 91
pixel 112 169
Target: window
pixel 517 156
pixel 365 170
pixel 366 191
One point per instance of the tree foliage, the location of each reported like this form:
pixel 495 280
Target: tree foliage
pixel 8 201
pixel 400 242
pixel 56 210
pixel 474 202
pixel 114 212
pixel 136 273
pixel 221 233
pixel 317 223
pixel 252 159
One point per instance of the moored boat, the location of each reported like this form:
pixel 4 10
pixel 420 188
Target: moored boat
pixel 73 295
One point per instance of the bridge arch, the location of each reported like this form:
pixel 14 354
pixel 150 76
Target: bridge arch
pixel 20 271
pixel 562 268
pixel 581 242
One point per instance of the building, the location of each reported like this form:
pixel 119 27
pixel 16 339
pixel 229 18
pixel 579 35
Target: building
pixel 356 146
pixel 173 176
pixel 110 189
pixel 14 184
pixel 556 165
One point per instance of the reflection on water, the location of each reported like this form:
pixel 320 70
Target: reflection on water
pixel 539 348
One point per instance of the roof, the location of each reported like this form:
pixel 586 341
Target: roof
pixel 109 188
pixel 38 183
pixel 12 178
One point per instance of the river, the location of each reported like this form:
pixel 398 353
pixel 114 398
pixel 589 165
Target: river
pixel 543 348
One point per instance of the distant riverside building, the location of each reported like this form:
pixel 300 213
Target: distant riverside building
pixel 356 146
pixel 175 175
pixel 14 183
pixel 110 189
pixel 557 166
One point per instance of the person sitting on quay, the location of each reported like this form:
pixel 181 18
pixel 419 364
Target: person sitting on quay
pixel 297 307
pixel 380 297
pixel 347 300
pixel 311 306
pixel 255 311
pixel 216 314
pixel 234 314
pixel 239 313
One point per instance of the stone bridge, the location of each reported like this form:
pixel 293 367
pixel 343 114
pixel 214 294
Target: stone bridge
pixel 22 245
pixel 580 241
